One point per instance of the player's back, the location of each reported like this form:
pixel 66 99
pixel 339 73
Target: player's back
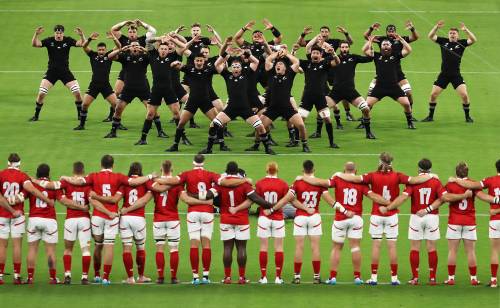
pixel 350 195
pixel 424 194
pixel 39 208
pixel 79 194
pixel 106 183
pixel 462 212
pixel 11 181
pixel 166 203
pixel 307 194
pixel 131 195
pixel 385 184
pixel 493 185
pixel 198 180
pixel 272 189
pixel 231 197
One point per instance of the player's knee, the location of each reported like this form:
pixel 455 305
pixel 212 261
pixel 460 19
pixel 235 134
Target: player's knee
pixel 75 88
pixel 363 106
pixel 109 241
pixel 257 123
pixel 303 113
pixel 355 249
pixel 406 88
pixel 217 123
pixel 159 241
pixel 42 91
pixel 140 245
pixel 324 113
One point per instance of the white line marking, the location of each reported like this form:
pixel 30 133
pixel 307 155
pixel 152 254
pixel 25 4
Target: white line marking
pixel 69 11
pixel 322 214
pixel 440 12
pixel 245 154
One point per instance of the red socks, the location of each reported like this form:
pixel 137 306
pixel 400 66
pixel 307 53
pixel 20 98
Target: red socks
pixel 394 269
pixel 433 262
pixel 97 267
pixel 316 267
pixel 333 274
pixel 52 273
pixel 67 263
pixel 160 263
pixel 140 259
pixel 227 272
pixel 297 266
pixel 414 262
pixel 494 270
pixel 85 265
pixel 357 275
pixel 263 263
pixel 107 270
pixel 374 268
pixel 2 268
pixel 128 262
pixel 451 270
pixel 278 260
pixel 31 272
pixel 195 259
pixel 473 270
pixel 174 263
pixel 241 271
pixel 206 259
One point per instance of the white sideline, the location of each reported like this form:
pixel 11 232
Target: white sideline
pixel 69 11
pixel 245 154
pixel 440 12
pixel 357 71
pixel 322 214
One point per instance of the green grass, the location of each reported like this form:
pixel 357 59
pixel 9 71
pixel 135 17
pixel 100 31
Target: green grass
pixel 445 142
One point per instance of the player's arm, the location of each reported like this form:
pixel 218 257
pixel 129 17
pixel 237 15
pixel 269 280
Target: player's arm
pixel 466 183
pixel 190 200
pixel 449 197
pixel 28 186
pixel 110 35
pixel 140 203
pixel 232 182
pixel 156 187
pixel 35 41
pixel 397 202
pixel 433 33
pixel 311 43
pixel 116 29
pixel 101 208
pixel 332 54
pixel 344 31
pixel 471 38
pixel 270 61
pixel 350 177
pixel 107 199
pixel 50 185
pixel 82 40
pixel 276 33
pixel 116 52
pixel 86 44
pixel 190 43
pixel 140 179
pixel 177 65
pixel 71 204
pixel 368 48
pixel 215 39
pixel 406 47
pixel 374 27
pixel 6 206
pixel 289 197
pixel 434 206
pixel 241 207
pixel 150 30
pixel 294 62
pixel 315 181
pixel 238 37
pixel 179 29
pixel 301 41
pixel 220 63
pixel 255 198
pixel 414 180
pixel 487 198
pixel 413 33
pixel 378 198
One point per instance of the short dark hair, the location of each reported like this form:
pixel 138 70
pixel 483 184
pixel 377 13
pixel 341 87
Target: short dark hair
pixel 325 27
pixel 454 29
pixel 462 170
pixel 235 59
pixel 107 161
pixel 101 44
pixel 425 164
pixel 14 158
pixel 316 48
pixel 497 164
pixel 242 173
pixel 43 171
pixel 390 27
pixel 132 27
pixel 344 42
pixel 166 166
pixel 196 24
pixel 163 43
pixel 199 55
pixel 256 31
pixel 78 167
pixel 232 168
pixel 308 166
pixel 135 169
pixel 58 28
pixel 199 158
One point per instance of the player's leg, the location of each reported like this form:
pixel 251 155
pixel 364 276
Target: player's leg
pixel 336 112
pixel 495 250
pixel 297 259
pixel 462 92
pixel 316 257
pixel 117 117
pixel 3 254
pixel 334 262
pixel 216 125
pixel 174 236
pixel 50 250
pixel 138 226
pixel 470 251
pixel 261 132
pixel 67 258
pixel 414 260
pixel 31 259
pixel 405 103
pixel 17 248
pixel 110 232
pixel 148 123
pixel 186 115
pixel 194 225
pixel 112 100
pixel 435 92
pixel 74 87
pixel 97 256
pixel 266 122
pixel 406 87
pixel 263 252
pixel 433 259
pixel 355 244
pixel 119 83
pixel 324 114
pixel 206 258
pixel 227 259
pixel 364 107
pixel 241 253
pixel 347 109
pixel 298 123
pixel 126 235
pixel 45 85
pixel 278 256
pixel 376 233
pixel 175 108
pixel 452 260
pixel 87 100
pixel 160 259
pixel 393 259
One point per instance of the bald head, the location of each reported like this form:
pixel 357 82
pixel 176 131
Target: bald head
pixel 350 167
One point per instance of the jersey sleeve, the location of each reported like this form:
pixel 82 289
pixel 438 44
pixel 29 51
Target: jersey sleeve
pixel 215 177
pixel 225 74
pixel 440 190
pixel 303 63
pixel 441 40
pixel 92 54
pixel 408 190
pixel 463 42
pixel 248 189
pixel 123 179
pixel 486 183
pixel 332 182
pixel 406 38
pixel 45 42
pixel 71 41
pixel 182 178
pixel 365 190
pixel 403 178
pixel 367 178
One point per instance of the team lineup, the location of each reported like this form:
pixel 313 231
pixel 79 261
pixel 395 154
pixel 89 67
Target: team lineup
pixel 232 194
pixel 244 65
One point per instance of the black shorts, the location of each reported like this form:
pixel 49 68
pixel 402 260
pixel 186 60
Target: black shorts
pixel 179 90
pixel 96 88
pixel 128 94
pixel 443 80
pixel 193 104
pixel 238 111
pixel 393 91
pixel 318 101
pixel 338 94
pixel 159 93
pixel 286 111
pixel 255 102
pixel 121 75
pixel 53 75
pixel 211 94
pixel 326 89
pixel 401 75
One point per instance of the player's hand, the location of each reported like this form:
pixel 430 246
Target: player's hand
pixel 462 26
pixel 94 35
pixel 268 24
pixel 267 212
pixel 496 200
pixel 397 37
pixel 11 200
pixel 468 193
pixel 138 22
pixel 307 30
pixel 110 35
pixel 310 210
pixel 175 63
pixel 440 24
pixel 130 22
pixel 85 207
pixel 349 214
pixel 341 29
pixel 180 29
pixel 383 209
pixel 39 30
pixel 228 40
pixel 421 213
pixel 123 211
pixel 17 213
pixel 376 26
pixel 79 31
pixel 295 47
pixel 409 25
pixel 113 215
pixel 233 210
pixel 92 194
pixel 452 179
pixel 210 28
pixel 249 25
pixel 50 203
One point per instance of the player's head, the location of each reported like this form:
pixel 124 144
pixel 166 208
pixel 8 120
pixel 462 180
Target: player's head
pixel 272 168
pixel 385 162
pixel 107 161
pixel 497 164
pixel 324 31
pixel 101 49
pixel 453 34
pixel 78 168
pixel 390 30
pixel 280 67
pixel 236 66
pixel 199 60
pixel 424 165
pixel 232 168
pixel 308 166
pixel 386 47
pixel 132 32
pixel 198 160
pixel 242 173
pixel 462 169
pixel 166 167
pixel 135 48
pixel 43 171
pixel 59 32
pixel 135 169
pixel 350 167
pixel 316 53
pixel 205 51
pixel 14 161
pixel 195 29
pixel 163 49
pixel 257 36
pixel 344 47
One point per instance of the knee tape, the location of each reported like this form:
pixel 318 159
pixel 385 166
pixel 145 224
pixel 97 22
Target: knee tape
pixel 303 113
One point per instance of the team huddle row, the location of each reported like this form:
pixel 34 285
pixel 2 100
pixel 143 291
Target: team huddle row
pixel 233 193
pixel 243 65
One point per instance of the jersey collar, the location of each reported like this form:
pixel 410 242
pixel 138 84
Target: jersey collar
pixel 271 177
pixel 106 170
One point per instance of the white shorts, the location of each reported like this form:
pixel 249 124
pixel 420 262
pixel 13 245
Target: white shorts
pixel 78 228
pixel 108 227
pixel 347 228
pixel 12 226
pixel 237 232
pixel 167 230
pixel 44 229
pixel 307 225
pixel 458 232
pixel 200 224
pixel 424 228
pixel 380 225
pixel 267 228
pixel 494 228
pixel 133 227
